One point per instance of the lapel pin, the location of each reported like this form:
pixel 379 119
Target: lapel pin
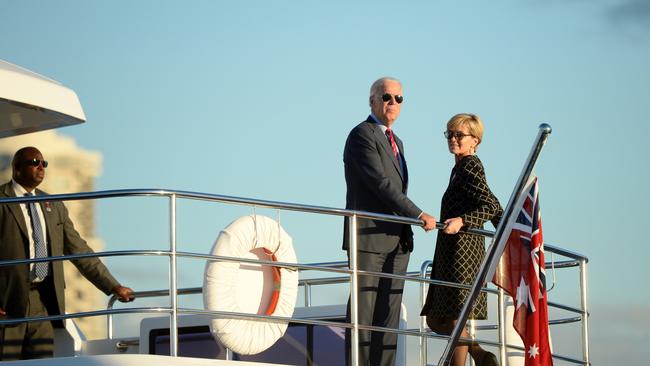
pixel 48 208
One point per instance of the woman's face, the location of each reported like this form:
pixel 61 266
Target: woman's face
pixel 460 142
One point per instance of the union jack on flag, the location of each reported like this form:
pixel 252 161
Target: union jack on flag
pixel 521 274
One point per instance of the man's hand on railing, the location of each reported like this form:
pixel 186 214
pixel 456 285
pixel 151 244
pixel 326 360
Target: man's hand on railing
pixel 124 294
pixel 429 221
pixel 2 312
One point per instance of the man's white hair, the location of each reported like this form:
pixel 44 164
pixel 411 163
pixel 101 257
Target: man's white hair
pixel 377 84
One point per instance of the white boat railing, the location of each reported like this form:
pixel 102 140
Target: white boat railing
pixel 307 283
pixel 172 253
pixel 351 274
pixel 332 267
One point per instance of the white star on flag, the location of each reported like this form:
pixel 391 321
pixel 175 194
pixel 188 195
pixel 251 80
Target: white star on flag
pixel 523 295
pixel 533 351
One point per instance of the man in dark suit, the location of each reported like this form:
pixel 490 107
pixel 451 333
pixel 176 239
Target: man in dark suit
pixel 376 176
pixel 28 290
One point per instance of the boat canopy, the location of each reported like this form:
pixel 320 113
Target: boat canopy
pixel 30 102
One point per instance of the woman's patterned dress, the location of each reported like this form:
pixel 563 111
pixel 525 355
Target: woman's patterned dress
pixel 458 257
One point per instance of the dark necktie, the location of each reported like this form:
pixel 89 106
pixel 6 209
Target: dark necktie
pixel 40 250
pixel 391 138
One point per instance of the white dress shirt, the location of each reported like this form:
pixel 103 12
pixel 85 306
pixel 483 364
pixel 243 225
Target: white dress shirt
pixel 20 192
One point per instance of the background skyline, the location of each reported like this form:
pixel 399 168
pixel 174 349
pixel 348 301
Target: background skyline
pixel 255 99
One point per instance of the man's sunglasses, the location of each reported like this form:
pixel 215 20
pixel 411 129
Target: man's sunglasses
pixel 387 97
pixel 36 162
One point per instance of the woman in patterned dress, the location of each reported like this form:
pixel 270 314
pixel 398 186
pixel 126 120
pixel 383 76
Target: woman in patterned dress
pixel 467 203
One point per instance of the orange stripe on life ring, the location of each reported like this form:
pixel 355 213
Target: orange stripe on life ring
pixel 275 296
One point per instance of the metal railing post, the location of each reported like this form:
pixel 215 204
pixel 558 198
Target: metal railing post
pixel 354 292
pixel 423 319
pixel 501 309
pixel 307 295
pixel 109 319
pixel 472 334
pixel 173 286
pixel 109 326
pixel 585 315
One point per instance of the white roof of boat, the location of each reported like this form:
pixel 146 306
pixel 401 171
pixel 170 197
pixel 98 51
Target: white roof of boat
pixel 30 102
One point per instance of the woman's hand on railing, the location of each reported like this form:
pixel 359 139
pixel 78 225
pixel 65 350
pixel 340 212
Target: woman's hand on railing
pixel 124 294
pixel 453 225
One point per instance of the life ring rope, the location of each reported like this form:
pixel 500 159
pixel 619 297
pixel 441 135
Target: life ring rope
pixel 255 226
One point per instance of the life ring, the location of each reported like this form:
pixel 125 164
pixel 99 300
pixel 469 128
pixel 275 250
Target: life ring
pixel 250 288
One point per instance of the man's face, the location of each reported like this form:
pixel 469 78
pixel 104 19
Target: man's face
pixel 386 111
pixel 28 173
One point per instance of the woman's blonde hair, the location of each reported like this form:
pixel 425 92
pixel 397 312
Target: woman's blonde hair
pixel 471 121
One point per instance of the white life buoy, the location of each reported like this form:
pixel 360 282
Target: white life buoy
pixel 251 288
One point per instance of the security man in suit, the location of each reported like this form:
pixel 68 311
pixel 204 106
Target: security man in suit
pixel 376 176
pixel 34 230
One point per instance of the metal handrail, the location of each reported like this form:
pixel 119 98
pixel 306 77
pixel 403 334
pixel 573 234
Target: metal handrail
pixel 115 253
pixel 343 279
pixel 229 199
pixel 215 198
pixel 83 314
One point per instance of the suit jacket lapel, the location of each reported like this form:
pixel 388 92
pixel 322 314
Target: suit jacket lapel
pixel 385 144
pixel 15 209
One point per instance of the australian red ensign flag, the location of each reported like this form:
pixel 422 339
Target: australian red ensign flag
pixel 521 274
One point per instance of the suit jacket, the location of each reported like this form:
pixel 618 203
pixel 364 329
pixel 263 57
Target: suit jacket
pixel 62 238
pixel 376 183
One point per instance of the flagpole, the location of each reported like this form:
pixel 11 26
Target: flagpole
pixel 494 252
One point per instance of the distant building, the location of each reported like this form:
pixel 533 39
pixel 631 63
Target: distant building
pixel 71 169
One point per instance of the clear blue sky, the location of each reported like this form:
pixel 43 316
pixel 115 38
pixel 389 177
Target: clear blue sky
pixel 255 99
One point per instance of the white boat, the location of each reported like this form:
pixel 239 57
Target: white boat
pixel 30 102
